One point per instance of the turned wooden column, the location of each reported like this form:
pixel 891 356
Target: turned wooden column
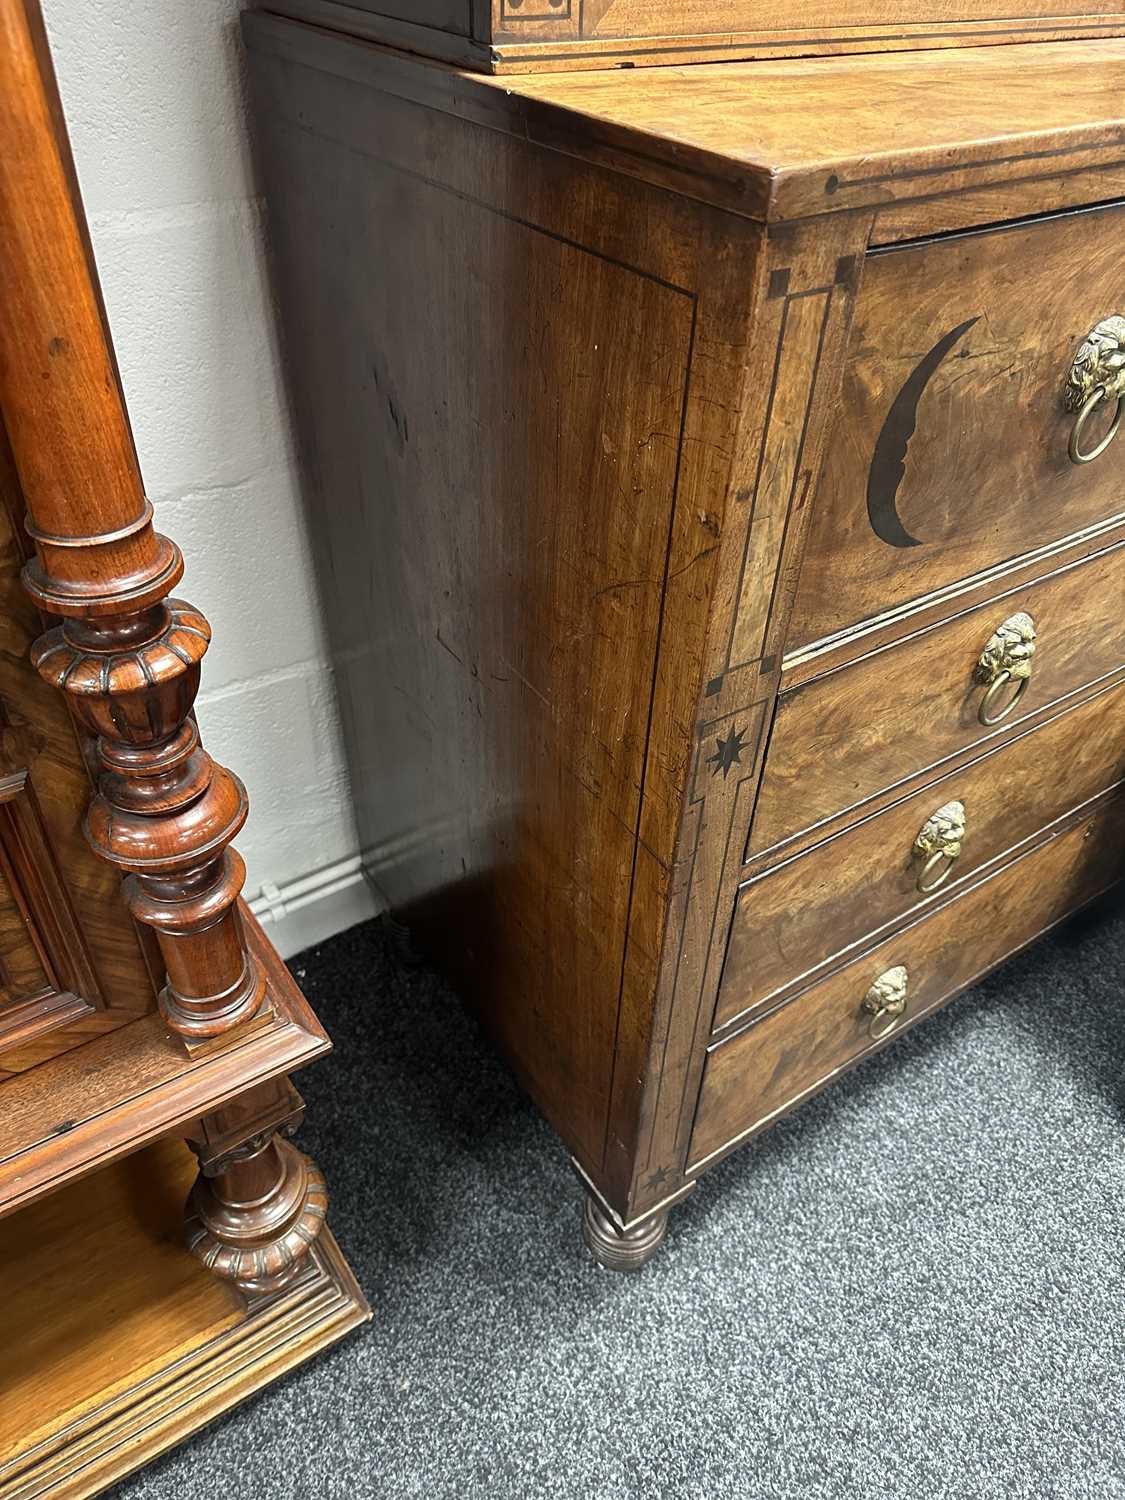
pixel 258 1204
pixel 128 657
pixel 126 653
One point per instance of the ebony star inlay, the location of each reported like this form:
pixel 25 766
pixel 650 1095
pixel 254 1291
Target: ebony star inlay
pixel 728 752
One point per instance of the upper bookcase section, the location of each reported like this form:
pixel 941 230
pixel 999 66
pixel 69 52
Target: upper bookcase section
pixel 522 36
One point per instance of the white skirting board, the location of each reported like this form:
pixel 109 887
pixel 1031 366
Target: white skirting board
pixel 317 906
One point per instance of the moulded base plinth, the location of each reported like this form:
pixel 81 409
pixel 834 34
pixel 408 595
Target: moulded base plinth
pixel 119 1344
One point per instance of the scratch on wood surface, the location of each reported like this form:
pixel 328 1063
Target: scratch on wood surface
pixel 446 647
pixel 513 668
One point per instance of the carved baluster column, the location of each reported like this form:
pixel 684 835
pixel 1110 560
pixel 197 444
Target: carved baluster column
pixel 128 656
pixel 258 1204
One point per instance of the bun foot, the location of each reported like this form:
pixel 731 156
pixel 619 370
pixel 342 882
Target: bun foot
pixel 254 1221
pixel 617 1250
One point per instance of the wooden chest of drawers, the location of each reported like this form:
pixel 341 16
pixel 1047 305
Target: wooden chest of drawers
pixel 731 645
pixel 504 36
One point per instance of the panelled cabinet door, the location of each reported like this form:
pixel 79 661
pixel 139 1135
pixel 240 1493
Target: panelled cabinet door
pixel 71 962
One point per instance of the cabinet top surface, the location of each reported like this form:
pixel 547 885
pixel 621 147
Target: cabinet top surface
pixel 853 129
pixel 784 140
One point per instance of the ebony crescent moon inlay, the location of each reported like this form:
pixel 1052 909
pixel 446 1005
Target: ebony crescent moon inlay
pixel 888 463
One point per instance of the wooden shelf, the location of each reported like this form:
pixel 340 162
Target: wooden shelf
pixel 89 1107
pixel 118 1343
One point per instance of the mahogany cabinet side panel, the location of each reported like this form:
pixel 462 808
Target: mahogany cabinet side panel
pixel 515 453
pixel 63 903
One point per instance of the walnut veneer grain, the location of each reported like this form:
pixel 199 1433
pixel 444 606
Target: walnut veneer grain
pixel 566 354
pixel 953 455
pixel 781 1059
pixel 802 913
pixel 857 729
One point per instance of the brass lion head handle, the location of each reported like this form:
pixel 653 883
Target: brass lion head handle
pixel 1006 659
pixel 1095 378
pixel 939 844
pixel 885 1002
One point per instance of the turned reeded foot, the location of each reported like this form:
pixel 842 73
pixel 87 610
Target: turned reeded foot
pixel 254 1222
pixel 619 1250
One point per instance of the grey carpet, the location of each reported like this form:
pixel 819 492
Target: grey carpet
pixel 911 1287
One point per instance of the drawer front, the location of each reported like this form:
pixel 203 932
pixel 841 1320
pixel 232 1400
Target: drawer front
pixel 865 727
pixel 648 29
pixel 780 1059
pixel 807 911
pixel 950 455
pixel 523 35
pixel 661 18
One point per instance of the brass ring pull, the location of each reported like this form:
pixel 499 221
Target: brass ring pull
pixel 1006 659
pixel 1086 411
pixel 988 702
pixel 885 1002
pixel 938 862
pixel 1096 376
pixel 939 839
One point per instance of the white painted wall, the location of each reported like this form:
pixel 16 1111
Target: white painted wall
pixel 154 102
